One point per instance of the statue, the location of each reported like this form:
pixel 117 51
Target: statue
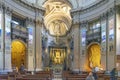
pixel 94 56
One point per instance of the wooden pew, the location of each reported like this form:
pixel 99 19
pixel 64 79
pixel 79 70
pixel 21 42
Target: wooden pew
pixel 74 76
pixel 41 75
pixel 32 79
pixel 12 75
pixel 4 77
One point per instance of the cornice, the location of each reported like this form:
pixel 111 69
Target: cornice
pixel 29 5
pixel 90 8
pixel 30 21
pixel 7 9
pixel 101 12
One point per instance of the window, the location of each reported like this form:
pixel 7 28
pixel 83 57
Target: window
pixel 18 21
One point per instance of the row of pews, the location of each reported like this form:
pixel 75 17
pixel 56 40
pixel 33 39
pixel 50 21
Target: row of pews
pixel 48 75
pixel 68 75
pixel 41 75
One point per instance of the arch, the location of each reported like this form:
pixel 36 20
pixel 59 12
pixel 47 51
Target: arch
pixel 94 55
pixel 18 53
pixel 92 44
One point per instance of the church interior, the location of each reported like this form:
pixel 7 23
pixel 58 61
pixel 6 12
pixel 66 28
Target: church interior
pixel 59 39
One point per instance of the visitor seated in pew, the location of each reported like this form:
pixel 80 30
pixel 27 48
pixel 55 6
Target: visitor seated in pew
pixel 94 72
pixel 22 68
pixel 90 76
pixel 113 74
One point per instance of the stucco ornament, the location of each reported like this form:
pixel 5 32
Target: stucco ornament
pixel 57 18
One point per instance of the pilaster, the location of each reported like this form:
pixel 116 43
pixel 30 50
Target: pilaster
pixel 38 40
pixel 83 50
pixel 76 62
pixel 1 38
pixel 31 42
pixel 7 13
pixel 110 43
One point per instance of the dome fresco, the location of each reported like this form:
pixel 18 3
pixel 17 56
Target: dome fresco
pixel 75 3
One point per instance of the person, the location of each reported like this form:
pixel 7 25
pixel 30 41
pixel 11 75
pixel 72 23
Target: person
pixel 113 73
pixel 22 68
pixel 90 76
pixel 95 74
pixel 16 69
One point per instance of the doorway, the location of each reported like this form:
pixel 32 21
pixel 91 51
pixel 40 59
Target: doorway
pixel 18 56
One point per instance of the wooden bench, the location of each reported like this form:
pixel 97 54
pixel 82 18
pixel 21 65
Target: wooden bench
pixel 4 77
pixel 32 79
pixel 74 76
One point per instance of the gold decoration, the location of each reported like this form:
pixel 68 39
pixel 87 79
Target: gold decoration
pixel 18 53
pixel 94 56
pixel 57 56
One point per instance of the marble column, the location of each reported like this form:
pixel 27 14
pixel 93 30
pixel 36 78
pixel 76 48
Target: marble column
pixel 31 51
pixel 7 39
pixel 111 50
pixel 117 39
pixel 76 32
pixel 1 41
pixel 38 40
